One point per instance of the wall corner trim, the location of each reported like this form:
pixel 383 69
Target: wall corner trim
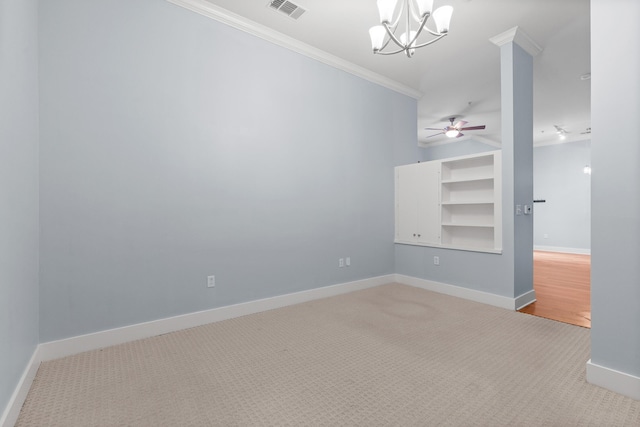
pixel 12 410
pixel 212 11
pixel 616 381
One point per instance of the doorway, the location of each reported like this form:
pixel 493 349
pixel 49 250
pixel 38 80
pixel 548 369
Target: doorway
pixel 562 232
pixel 562 282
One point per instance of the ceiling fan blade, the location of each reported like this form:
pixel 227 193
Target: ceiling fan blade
pixel 474 127
pixel 433 128
pixel 459 135
pixel 435 134
pixel 460 124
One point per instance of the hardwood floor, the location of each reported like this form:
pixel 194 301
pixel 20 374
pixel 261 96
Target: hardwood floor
pixel 563 287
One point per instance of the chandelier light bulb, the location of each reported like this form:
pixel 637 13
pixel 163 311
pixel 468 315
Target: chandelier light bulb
pixel 386 9
pixel 442 17
pixel 425 7
pixel 377 34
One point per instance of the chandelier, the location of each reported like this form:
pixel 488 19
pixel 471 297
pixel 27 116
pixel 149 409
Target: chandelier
pixel 416 14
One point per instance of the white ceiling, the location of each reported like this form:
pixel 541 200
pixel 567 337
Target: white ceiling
pixel 460 74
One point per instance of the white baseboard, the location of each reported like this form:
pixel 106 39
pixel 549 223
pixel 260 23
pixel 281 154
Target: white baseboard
pixel 66 347
pixel 525 299
pixel 466 293
pixel 12 410
pixel 616 381
pixel 74 345
pixel 579 251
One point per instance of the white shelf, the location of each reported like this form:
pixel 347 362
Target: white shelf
pixel 468 224
pixel 453 203
pixel 469 202
pixel 470 196
pixel 453 181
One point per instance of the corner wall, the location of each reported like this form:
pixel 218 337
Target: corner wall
pixel 175 147
pixel 18 192
pixel 509 274
pixel 615 184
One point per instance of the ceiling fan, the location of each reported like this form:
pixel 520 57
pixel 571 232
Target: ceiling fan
pixel 454 131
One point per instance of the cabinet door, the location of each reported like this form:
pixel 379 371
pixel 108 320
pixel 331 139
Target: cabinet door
pixel 429 203
pixel 407 191
pixel 417 206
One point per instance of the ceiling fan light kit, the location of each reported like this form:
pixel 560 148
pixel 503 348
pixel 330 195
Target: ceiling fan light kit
pixel 416 14
pixel 562 133
pixel 454 131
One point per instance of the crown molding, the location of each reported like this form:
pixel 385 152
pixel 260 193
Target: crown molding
pixel 520 38
pixel 227 17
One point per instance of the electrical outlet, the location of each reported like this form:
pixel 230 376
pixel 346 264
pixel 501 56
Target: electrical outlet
pixel 211 281
pixel 341 262
pixel 348 261
pixel 436 260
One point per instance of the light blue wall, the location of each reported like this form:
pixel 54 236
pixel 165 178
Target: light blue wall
pixel 516 68
pixel 559 179
pixel 175 147
pixel 615 187
pixel 510 273
pixel 18 191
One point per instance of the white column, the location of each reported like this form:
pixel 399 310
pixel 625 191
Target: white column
pixel 516 68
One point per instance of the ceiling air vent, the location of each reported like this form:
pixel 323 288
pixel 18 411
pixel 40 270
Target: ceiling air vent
pixel 292 10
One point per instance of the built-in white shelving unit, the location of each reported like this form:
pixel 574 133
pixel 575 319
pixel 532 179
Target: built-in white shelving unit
pixel 460 201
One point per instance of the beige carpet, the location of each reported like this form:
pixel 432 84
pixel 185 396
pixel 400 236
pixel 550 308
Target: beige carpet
pixel 391 355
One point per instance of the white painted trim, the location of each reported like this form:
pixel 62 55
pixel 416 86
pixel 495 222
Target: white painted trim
pixel 578 251
pixel 619 382
pixel 210 10
pixel 66 347
pixel 519 37
pixel 457 291
pixel 525 299
pixel 12 410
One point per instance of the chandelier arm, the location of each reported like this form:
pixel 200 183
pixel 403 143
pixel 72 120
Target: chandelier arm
pixel 415 14
pixel 433 33
pixel 392 36
pixel 406 43
pixel 391 53
pixel 430 41
pixel 422 27
pixel 384 46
